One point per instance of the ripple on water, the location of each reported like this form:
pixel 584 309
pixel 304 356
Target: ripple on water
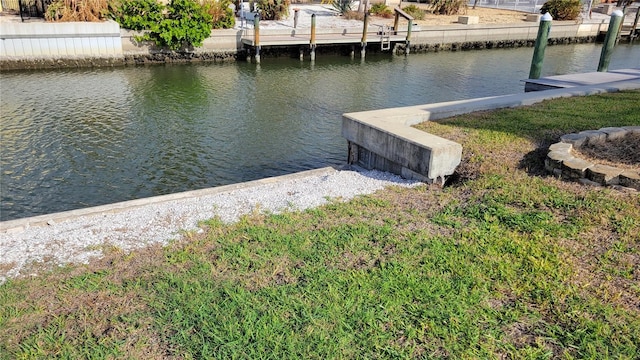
pixel 83 137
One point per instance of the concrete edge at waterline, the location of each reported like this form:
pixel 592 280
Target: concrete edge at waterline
pixel 18 225
pixel 53 45
pixel 384 139
pixel 406 115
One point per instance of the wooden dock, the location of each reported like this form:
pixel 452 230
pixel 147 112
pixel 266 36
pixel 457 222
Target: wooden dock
pixel 573 80
pixel 321 39
pixel 384 35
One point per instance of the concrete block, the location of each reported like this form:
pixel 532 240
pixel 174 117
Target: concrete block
pixel 607 8
pixel 468 20
pixel 390 145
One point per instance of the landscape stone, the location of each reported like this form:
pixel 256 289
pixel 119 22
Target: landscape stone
pixel 561 147
pixel 614 133
pixel 576 139
pixel 555 158
pixel 575 168
pixel 632 129
pixel 630 178
pixel 584 181
pixel 594 136
pixel 604 174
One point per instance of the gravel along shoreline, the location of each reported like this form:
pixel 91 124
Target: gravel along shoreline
pixel 78 239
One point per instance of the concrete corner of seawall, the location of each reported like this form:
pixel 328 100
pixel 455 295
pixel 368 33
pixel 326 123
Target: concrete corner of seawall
pixel 384 139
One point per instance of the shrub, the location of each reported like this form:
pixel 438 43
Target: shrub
pixel 449 7
pixel 353 15
pixel 562 9
pixel 77 10
pixel 342 6
pixel 381 10
pixel 182 23
pixel 222 16
pixel 273 9
pixel 185 24
pixel 414 11
pixel 137 14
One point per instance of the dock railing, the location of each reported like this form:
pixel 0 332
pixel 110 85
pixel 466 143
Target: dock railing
pixel 396 23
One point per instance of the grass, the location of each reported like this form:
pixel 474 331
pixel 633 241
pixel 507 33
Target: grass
pixel 505 262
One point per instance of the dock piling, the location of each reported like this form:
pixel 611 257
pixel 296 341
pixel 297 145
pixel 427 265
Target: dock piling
pixel 313 37
pixel 540 46
pixel 363 42
pixel 256 36
pixel 408 41
pixel 610 40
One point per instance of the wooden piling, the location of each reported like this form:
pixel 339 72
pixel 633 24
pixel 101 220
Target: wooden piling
pixel 610 40
pixel 363 42
pixel 408 40
pixel 313 37
pixel 256 36
pixel 540 46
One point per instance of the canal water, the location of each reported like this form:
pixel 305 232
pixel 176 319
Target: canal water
pixel 82 137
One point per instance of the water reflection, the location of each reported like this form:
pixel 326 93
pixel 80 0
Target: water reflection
pixel 75 138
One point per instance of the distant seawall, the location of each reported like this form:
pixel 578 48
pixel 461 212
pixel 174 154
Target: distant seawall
pixel 45 45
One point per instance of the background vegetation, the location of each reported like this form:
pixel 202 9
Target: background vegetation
pixel 273 9
pixel 504 262
pixel 448 7
pixel 562 9
pixel 179 25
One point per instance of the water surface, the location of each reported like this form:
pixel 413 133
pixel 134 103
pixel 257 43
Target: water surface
pixel 82 137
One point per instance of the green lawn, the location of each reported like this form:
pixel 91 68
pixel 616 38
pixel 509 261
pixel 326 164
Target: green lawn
pixel 505 262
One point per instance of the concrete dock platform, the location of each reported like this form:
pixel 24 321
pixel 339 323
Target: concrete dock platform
pixel 573 80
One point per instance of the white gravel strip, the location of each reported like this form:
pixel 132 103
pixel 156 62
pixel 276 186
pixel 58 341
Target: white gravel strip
pixel 78 239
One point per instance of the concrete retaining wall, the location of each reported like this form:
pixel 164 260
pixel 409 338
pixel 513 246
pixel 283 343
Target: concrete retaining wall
pixel 40 40
pixel 385 140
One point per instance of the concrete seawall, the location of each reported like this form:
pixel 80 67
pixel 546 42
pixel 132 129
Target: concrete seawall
pixel 384 139
pixel 70 40
pixel 43 45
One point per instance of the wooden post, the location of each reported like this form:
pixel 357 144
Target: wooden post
pixel 540 46
pixel 408 41
pixel 363 42
pixel 610 40
pixel 396 22
pixel 256 36
pixel 313 37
